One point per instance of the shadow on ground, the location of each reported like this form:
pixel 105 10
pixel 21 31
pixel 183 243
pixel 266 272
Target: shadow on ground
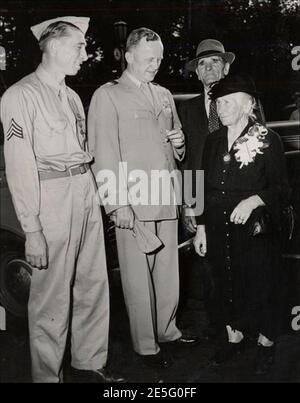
pixel 190 363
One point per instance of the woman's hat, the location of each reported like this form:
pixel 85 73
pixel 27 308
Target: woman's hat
pixel 240 82
pixel 207 48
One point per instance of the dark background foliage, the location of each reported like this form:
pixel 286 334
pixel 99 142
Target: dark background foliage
pixel 260 32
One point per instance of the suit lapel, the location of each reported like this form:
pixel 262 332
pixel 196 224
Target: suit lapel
pixel 200 115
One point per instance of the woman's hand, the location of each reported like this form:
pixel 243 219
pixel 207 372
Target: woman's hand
pixel 200 241
pixel 243 210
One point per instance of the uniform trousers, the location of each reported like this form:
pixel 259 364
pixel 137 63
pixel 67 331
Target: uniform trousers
pixel 73 292
pixel 151 286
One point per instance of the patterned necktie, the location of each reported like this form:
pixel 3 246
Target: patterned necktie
pixel 213 119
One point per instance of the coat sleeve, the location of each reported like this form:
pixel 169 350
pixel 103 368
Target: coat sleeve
pixel 17 113
pixel 103 135
pixel 276 195
pixel 200 219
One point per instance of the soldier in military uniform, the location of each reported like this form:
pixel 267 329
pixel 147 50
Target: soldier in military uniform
pixel 53 190
pixel 134 121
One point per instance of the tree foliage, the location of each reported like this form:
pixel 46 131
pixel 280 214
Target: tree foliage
pixel 260 32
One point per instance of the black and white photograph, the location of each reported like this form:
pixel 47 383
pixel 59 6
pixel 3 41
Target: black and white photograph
pixel 149 194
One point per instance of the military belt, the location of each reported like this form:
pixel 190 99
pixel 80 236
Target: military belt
pixel 79 170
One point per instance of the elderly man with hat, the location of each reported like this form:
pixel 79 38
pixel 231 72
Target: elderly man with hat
pixel 53 190
pixel 199 115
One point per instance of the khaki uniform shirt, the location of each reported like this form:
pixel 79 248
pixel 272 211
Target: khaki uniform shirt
pixel 44 130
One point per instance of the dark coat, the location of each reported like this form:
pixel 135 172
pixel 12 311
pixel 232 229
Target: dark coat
pixel 194 122
pixel 247 268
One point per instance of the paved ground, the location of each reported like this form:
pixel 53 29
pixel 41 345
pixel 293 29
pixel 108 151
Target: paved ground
pixel 190 364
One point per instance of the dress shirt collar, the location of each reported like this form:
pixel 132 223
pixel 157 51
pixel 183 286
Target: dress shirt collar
pixel 135 80
pixel 206 100
pixel 46 78
pixel 206 90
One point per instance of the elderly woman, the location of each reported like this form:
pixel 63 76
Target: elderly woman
pixel 245 183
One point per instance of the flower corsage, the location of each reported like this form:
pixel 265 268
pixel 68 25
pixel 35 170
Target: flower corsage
pixel 252 143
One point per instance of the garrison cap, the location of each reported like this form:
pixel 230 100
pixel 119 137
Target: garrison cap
pixel 80 22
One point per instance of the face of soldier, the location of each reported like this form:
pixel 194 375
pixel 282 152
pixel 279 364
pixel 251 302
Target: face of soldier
pixel 211 69
pixel 70 52
pixel 144 59
pixel 233 108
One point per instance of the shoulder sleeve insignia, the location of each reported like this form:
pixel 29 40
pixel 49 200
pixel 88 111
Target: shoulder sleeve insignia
pixel 14 130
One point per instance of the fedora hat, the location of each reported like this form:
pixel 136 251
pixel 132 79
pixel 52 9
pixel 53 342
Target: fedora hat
pixel 239 82
pixel 210 47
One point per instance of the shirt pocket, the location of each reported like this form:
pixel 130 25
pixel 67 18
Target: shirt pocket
pixel 50 136
pixel 136 115
pixel 135 124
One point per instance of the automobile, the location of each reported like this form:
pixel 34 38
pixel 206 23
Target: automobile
pixel 15 271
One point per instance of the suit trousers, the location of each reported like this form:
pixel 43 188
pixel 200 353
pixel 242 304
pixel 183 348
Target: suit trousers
pixel 151 286
pixel 72 293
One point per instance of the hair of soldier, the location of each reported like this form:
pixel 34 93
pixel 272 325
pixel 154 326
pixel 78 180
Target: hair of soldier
pixel 57 29
pixel 137 35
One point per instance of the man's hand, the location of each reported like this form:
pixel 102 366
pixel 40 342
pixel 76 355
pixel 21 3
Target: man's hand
pixel 200 241
pixel 189 220
pixel 243 210
pixel 123 217
pixel 176 137
pixel 36 250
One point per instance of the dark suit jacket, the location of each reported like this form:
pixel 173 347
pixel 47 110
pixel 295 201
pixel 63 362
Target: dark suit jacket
pixel 194 122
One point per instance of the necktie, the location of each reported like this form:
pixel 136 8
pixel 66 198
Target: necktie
pixel 67 109
pixel 147 92
pixel 213 119
pixel 66 106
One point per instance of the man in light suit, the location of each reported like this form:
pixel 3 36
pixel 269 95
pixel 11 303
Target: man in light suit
pixel 134 122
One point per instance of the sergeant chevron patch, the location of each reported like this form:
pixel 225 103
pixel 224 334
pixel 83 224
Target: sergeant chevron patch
pixel 14 130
